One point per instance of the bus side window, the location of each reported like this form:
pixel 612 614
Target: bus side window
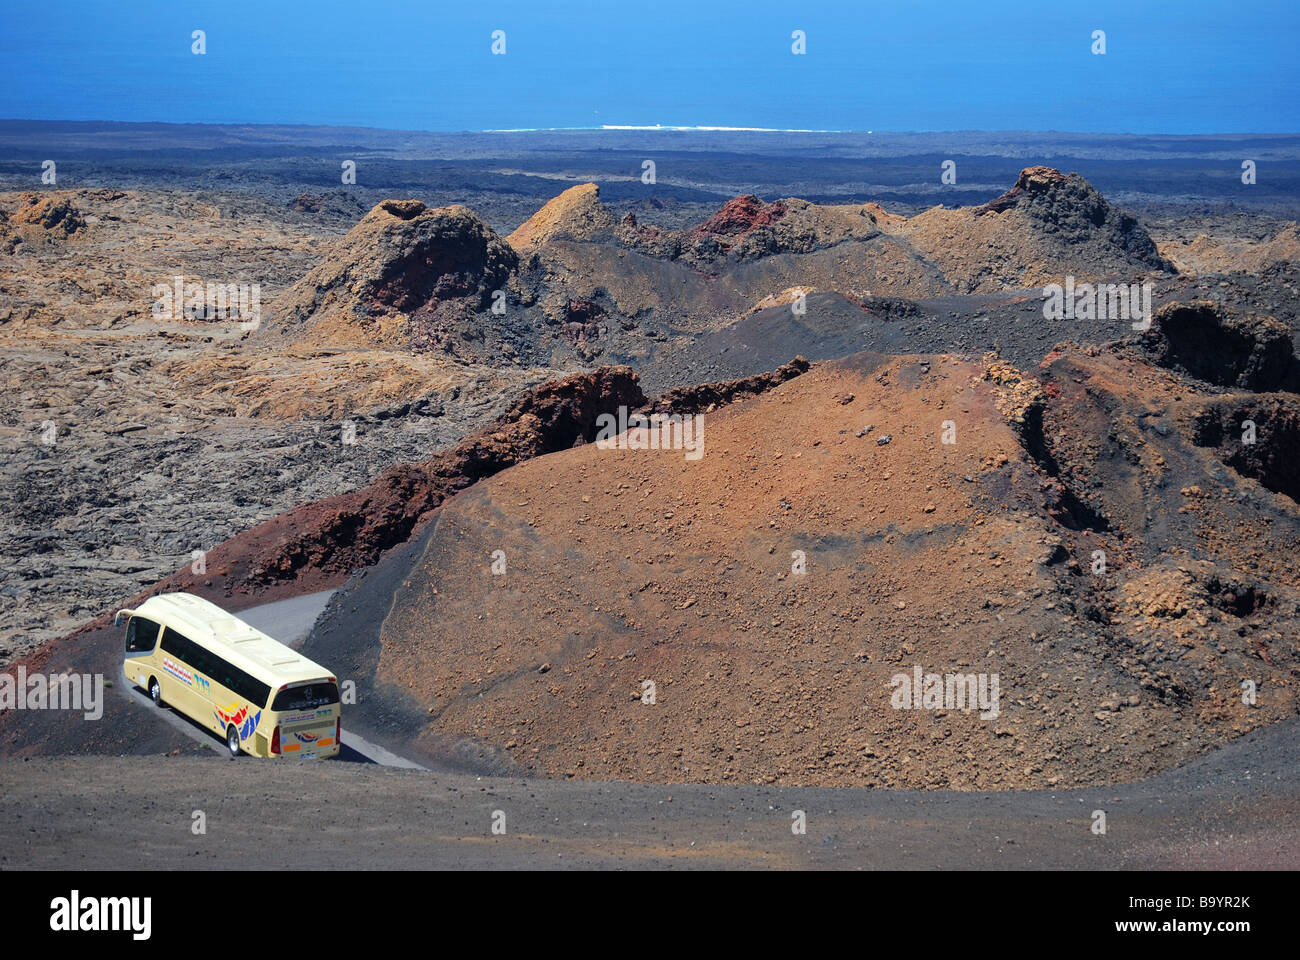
pixel 176 644
pixel 141 635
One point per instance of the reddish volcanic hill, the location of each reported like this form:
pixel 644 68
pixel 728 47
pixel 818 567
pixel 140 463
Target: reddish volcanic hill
pixel 747 229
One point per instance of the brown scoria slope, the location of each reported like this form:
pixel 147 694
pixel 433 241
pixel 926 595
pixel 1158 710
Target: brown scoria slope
pixel 625 566
pixel 1199 533
pixel 1048 226
pixel 577 214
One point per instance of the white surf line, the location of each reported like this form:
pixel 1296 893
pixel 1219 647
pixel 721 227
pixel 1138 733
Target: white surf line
pixel 669 128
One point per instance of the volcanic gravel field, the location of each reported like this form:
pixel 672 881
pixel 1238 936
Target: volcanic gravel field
pixel 901 467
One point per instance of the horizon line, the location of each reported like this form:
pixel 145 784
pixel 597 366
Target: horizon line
pixel 642 128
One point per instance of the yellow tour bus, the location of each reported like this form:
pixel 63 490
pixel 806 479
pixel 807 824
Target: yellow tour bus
pixel 262 697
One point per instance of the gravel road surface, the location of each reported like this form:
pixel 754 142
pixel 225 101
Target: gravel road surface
pixel 1238 807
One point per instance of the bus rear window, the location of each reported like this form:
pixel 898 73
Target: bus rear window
pixel 307 697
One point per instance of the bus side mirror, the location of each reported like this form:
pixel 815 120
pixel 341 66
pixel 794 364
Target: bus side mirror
pixel 117 620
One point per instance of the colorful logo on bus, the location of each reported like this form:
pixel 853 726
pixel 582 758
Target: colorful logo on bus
pixel 238 716
pixel 307 737
pixel 179 672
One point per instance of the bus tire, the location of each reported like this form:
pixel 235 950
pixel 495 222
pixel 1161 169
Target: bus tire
pixel 155 692
pixel 232 741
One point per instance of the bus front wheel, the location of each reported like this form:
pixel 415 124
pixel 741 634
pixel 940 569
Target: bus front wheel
pixel 232 741
pixel 155 692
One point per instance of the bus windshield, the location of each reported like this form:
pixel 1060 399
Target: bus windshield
pixel 318 693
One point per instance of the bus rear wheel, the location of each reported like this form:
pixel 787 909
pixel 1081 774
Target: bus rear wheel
pixel 155 692
pixel 232 741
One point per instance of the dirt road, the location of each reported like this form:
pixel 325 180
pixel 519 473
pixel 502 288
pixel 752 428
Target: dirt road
pixel 1238 807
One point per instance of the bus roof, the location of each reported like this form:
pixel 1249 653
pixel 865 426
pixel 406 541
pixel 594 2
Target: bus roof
pixel 223 633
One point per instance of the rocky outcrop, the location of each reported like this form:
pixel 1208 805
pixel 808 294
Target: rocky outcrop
pixel 41 220
pixel 747 229
pixel 1048 226
pixel 1070 207
pixel 738 218
pixel 330 204
pixel 57 216
pixel 401 266
pixel 307 203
